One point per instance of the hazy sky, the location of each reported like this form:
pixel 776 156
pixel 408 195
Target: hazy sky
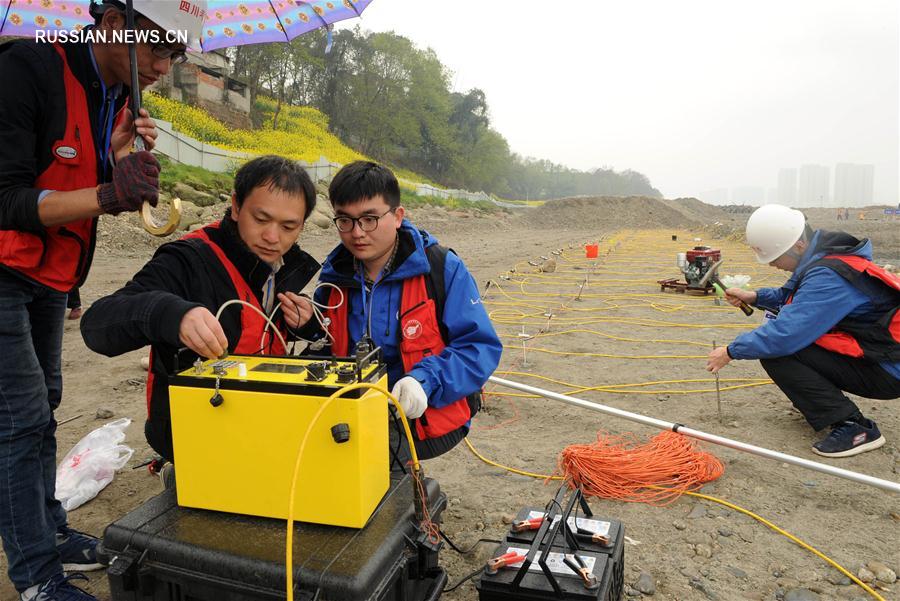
pixel 696 94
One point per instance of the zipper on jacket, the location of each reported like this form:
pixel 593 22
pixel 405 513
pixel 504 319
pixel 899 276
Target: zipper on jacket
pixel 410 310
pixel 81 251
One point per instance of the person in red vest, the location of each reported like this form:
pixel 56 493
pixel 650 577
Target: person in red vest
pixel 65 141
pixel 414 299
pixel 837 327
pixel 251 254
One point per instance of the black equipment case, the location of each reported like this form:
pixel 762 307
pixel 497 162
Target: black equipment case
pixel 163 552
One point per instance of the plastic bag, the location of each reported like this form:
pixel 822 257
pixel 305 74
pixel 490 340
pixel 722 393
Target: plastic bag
pixel 91 464
pixel 736 281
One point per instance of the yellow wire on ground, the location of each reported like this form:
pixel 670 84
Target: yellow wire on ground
pixel 746 512
pixel 616 388
pixel 289 552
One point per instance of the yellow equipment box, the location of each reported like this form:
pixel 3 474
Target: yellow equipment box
pixel 237 425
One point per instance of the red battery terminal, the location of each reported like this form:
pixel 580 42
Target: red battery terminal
pixel 529 524
pixel 493 565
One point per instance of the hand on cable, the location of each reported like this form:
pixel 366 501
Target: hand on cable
pixel 297 309
pixel 135 179
pixel 411 395
pixel 201 332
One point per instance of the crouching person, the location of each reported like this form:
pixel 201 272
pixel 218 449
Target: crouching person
pixel 251 255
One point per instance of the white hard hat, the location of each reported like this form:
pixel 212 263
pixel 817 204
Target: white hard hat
pixel 172 15
pixel 772 230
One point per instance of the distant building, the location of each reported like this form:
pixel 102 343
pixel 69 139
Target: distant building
pixel 853 184
pixel 748 195
pixel 813 189
pixel 204 81
pixel 787 187
pixel 719 196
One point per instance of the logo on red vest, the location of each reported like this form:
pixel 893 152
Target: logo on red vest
pixel 65 152
pixel 412 329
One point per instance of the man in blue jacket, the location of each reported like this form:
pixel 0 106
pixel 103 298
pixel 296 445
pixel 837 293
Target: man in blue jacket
pixel 837 327
pixel 415 300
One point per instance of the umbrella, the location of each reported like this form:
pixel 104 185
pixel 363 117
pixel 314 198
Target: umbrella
pixel 229 22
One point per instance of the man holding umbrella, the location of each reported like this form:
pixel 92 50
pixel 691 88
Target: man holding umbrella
pixel 65 140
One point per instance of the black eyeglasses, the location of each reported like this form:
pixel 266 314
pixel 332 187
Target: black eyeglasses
pixel 177 57
pixel 367 223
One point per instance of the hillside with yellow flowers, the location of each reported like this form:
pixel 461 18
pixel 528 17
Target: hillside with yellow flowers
pixel 302 132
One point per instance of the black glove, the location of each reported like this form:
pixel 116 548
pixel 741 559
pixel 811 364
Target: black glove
pixel 135 179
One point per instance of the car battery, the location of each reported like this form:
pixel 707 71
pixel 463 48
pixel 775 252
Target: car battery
pixel 595 534
pixel 552 553
pixel 607 571
pixel 237 425
pixel 164 552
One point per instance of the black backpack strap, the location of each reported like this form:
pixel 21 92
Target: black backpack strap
pixel 434 282
pixel 437 291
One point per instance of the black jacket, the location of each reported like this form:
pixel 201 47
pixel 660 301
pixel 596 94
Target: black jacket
pixel 182 275
pixel 33 118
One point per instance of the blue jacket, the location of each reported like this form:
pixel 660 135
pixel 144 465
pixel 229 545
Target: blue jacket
pixel 822 298
pixel 472 350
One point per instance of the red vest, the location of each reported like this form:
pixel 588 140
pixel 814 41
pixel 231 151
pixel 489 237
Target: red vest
pixel 879 341
pixel 420 337
pixel 58 258
pixel 252 323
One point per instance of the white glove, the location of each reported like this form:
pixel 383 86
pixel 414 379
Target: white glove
pixel 411 395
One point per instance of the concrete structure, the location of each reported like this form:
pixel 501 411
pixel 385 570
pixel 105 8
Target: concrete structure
pixel 813 190
pixel 787 187
pixel 203 81
pixel 853 185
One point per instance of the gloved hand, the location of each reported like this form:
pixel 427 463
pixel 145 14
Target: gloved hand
pixel 135 179
pixel 411 395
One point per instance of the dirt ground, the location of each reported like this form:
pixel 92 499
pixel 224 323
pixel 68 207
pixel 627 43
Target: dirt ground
pixel 691 549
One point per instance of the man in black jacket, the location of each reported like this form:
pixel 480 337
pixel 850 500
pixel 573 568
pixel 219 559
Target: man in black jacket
pixel 65 141
pixel 251 255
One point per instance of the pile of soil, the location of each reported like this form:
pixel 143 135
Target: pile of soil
pixel 609 212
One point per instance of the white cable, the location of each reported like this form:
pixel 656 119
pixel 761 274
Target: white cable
pixel 236 301
pixel 317 313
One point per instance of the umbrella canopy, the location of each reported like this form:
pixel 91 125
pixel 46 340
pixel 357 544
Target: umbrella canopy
pixel 232 23
pixel 228 23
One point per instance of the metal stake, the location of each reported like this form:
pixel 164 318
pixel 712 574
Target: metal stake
pixel 718 393
pixel 578 298
pixel 525 338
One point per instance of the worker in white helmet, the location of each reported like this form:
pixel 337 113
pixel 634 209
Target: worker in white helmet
pixel 65 159
pixel 837 327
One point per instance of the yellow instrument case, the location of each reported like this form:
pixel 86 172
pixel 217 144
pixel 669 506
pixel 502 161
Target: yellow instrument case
pixel 236 452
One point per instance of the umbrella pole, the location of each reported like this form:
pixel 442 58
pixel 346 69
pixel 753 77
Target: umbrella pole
pixel 719 440
pixel 135 83
pixel 151 226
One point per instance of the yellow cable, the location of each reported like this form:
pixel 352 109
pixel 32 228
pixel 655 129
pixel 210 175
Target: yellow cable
pixel 747 512
pixel 289 552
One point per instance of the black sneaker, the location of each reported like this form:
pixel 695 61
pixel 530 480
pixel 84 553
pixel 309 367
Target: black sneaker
pixel 58 588
pixel 850 438
pixel 77 550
